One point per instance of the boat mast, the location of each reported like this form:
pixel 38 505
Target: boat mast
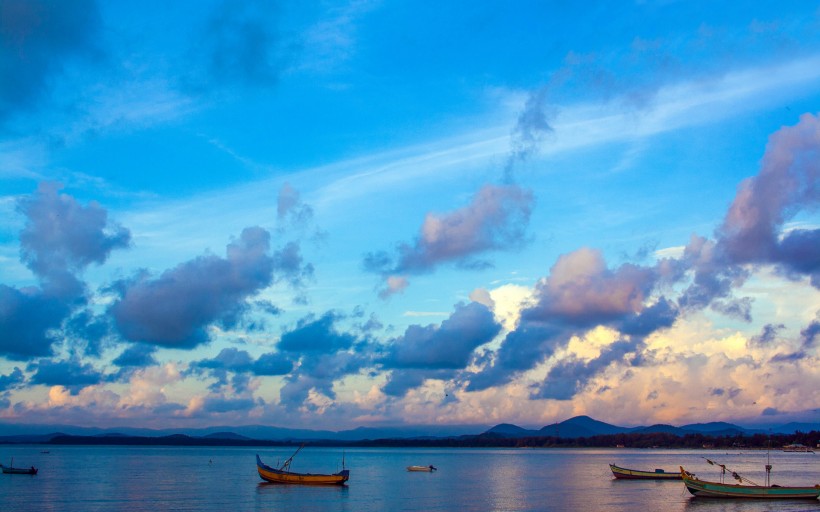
pixel 286 465
pixel 768 464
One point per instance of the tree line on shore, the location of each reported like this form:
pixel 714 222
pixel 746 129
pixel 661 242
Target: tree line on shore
pixel 486 440
pixel 631 440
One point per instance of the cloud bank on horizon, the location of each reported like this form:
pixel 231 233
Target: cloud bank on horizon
pixel 257 214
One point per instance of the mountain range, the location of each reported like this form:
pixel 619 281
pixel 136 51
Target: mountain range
pixel 584 426
pixel 577 427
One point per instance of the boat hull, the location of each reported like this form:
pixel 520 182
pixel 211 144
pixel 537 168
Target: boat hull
pixel 277 476
pixel 705 489
pixel 19 471
pixel 428 469
pixel 634 474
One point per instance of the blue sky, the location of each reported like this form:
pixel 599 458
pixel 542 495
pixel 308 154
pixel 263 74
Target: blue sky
pixel 327 214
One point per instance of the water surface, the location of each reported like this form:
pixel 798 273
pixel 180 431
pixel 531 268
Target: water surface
pixel 120 478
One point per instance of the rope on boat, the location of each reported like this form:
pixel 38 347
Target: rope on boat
pixel 734 474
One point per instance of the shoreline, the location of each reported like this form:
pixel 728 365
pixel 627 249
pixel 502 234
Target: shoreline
pixel 615 442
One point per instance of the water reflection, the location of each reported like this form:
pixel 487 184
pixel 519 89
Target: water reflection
pixel 129 479
pixel 504 484
pixel 271 496
pixel 740 505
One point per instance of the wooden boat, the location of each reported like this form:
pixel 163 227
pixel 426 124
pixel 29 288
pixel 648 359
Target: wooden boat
pixel 9 470
pixel 703 488
pixel 635 474
pixel 429 468
pixel 283 475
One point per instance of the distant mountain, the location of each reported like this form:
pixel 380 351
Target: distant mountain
pixel 721 428
pixel 509 430
pixel 20 433
pixel 581 426
pixel 573 428
pixel 584 426
pixel 599 427
pixel 791 428
pixel 662 429
pixel 714 426
pixel 227 435
pixel 408 432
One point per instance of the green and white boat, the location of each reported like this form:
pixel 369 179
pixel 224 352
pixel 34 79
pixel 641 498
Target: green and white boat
pixel 706 489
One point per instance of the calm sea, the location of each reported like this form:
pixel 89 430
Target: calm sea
pixel 224 479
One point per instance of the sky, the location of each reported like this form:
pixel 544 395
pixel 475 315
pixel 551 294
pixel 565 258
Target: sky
pixel 381 213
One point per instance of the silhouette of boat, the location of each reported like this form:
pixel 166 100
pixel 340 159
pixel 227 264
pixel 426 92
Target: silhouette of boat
pixel 11 470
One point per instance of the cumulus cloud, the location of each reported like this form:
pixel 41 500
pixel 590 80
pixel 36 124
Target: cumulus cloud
pixel 239 362
pixel 789 179
pixel 292 266
pixel 324 355
pixel 28 321
pixel 175 309
pixel 317 374
pixel 752 230
pixel 70 374
pixel 811 333
pixel 272 363
pixel 580 293
pixel 316 335
pixel 37 38
pixel 137 355
pixel 571 375
pixel 12 380
pixel 59 239
pixel 90 333
pixel 495 220
pixel 807 341
pixel 449 345
pixel 768 335
pixel 437 351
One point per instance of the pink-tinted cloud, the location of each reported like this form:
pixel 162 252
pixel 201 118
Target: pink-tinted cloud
pixel 788 181
pixel 393 285
pixel 580 293
pixel 752 230
pixel 581 289
pixel 495 220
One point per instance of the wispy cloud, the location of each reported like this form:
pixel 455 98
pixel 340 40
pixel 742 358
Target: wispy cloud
pixel 576 127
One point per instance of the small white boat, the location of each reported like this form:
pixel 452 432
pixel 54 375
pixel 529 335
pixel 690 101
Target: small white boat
pixel 428 469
